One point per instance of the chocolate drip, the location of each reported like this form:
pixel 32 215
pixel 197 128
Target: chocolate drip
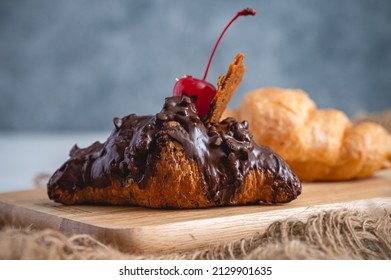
pixel 224 153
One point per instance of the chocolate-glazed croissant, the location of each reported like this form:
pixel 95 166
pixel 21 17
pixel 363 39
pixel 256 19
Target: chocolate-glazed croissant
pixel 174 159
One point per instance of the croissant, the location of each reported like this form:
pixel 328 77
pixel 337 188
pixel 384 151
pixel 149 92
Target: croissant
pixel 176 160
pixel 319 145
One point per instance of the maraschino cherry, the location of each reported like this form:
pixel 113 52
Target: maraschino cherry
pixel 201 91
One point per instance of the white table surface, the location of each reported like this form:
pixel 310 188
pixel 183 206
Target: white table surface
pixel 24 155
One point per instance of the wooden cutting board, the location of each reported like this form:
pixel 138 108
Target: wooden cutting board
pixel 163 231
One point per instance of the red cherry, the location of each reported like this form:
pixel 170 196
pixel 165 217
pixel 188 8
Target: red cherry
pixel 202 91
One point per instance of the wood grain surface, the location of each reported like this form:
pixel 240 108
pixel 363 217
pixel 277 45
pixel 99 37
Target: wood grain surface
pixel 163 231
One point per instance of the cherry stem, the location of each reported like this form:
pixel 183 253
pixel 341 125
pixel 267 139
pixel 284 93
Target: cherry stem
pixel 245 12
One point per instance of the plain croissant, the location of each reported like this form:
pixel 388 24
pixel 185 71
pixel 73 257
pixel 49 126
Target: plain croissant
pixel 319 145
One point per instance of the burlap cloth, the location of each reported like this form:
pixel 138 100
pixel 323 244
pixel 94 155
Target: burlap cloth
pixel 337 234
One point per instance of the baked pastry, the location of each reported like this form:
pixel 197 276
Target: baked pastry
pixel 176 160
pixel 319 145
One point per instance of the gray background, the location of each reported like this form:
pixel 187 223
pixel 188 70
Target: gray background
pixel 74 65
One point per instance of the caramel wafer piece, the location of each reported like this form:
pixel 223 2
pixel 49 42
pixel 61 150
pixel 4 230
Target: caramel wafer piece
pixel 227 85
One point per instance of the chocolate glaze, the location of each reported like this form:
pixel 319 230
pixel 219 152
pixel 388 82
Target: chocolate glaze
pixel 224 153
